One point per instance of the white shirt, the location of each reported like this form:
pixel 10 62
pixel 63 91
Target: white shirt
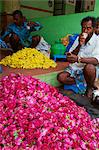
pixel 91 49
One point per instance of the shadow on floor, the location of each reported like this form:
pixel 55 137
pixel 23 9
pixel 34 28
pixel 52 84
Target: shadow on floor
pixel 82 101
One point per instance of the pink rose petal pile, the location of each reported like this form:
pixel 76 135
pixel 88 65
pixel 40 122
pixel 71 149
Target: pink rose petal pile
pixel 35 116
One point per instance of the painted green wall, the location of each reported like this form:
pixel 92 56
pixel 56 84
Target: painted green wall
pixel 56 27
pixel 36 4
pixel 1 6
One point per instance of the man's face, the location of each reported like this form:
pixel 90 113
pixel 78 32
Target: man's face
pixel 87 27
pixel 97 28
pixel 18 20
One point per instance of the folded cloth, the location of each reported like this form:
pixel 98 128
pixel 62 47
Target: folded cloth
pixel 79 78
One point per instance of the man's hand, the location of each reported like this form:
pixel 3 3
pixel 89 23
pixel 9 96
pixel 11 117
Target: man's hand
pixel 82 38
pixel 72 58
pixel 32 24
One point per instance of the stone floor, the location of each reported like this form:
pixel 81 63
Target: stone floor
pixel 83 101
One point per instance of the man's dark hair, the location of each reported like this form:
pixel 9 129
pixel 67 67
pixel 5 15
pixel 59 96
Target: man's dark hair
pixel 86 19
pixel 17 12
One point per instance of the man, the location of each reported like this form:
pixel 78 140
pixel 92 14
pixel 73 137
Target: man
pixel 18 33
pixel 97 26
pixel 96 30
pixel 4 48
pixel 83 57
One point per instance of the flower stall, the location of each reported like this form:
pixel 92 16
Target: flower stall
pixel 29 61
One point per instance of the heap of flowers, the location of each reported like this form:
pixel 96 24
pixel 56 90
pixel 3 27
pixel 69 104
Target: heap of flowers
pixel 28 58
pixel 35 116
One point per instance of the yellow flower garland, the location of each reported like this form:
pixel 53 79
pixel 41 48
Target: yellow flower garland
pixel 28 58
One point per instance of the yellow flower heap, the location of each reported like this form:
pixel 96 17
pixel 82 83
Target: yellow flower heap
pixel 28 58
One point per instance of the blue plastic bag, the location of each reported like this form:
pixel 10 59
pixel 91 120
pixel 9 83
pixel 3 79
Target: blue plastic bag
pixel 71 41
pixel 0 69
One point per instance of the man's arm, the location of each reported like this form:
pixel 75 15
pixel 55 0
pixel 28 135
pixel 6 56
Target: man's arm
pixel 72 58
pixel 81 40
pixel 91 60
pixel 34 26
pixel 7 32
pixel 76 50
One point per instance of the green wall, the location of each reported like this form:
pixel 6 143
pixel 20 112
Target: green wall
pixel 55 27
pixel 1 6
pixel 36 4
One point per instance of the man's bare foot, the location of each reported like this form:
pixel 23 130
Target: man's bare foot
pixel 89 92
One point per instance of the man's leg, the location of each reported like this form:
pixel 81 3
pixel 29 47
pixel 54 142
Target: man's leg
pixel 7 39
pixel 89 75
pixel 35 41
pixel 64 77
pixel 15 42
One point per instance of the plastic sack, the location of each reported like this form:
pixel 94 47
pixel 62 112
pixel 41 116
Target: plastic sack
pixel 58 48
pixel 0 69
pixel 65 40
pixel 43 47
pixel 95 96
pixel 72 38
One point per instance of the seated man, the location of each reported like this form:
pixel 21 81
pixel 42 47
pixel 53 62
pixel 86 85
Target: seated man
pixel 97 33
pixel 18 33
pixel 97 26
pixel 4 49
pixel 83 58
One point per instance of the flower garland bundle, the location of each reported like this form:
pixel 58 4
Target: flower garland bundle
pixel 35 116
pixel 28 58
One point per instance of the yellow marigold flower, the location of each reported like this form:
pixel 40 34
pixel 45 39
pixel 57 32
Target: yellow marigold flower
pixel 28 58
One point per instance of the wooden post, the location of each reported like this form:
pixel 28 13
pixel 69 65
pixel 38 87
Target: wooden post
pixel 11 5
pixel 8 7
